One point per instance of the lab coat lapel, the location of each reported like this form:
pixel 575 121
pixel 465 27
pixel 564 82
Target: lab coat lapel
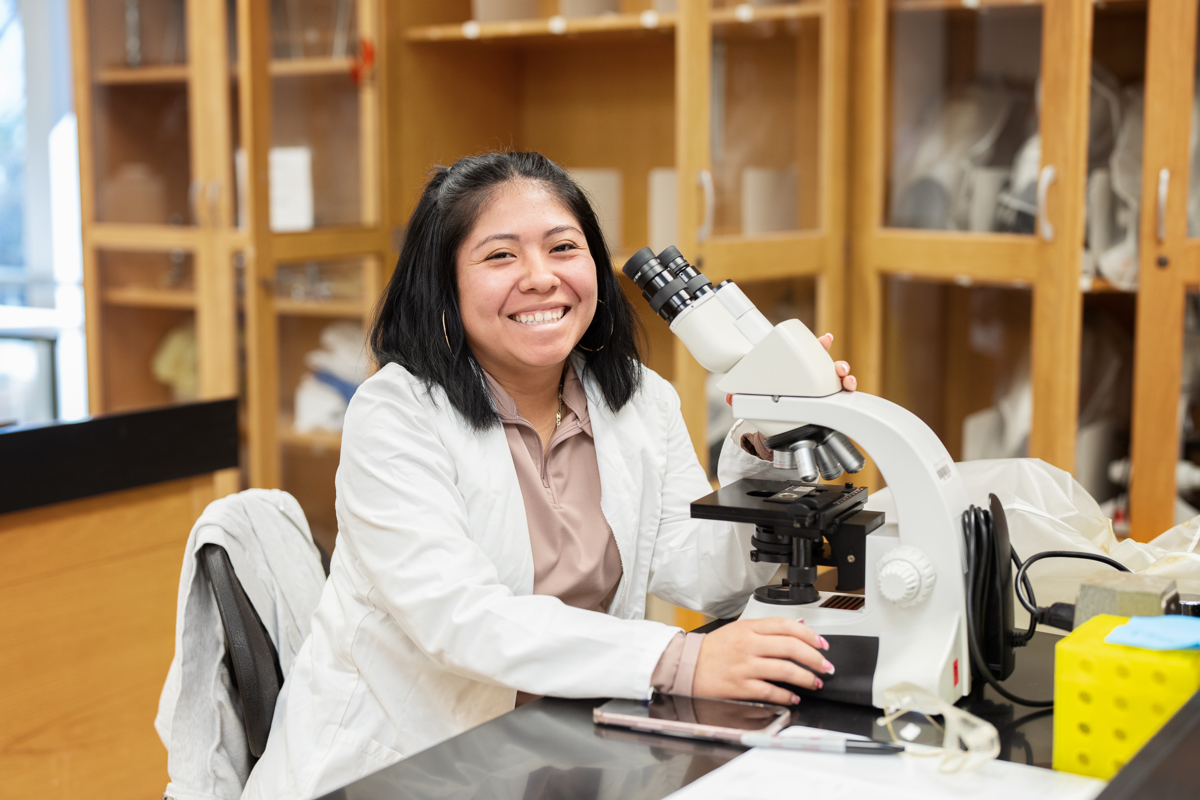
pixel 497 513
pixel 620 462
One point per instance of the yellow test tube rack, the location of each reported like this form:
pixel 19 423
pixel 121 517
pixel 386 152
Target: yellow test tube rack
pixel 1110 699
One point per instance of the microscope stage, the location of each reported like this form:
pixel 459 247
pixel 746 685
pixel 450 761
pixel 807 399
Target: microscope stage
pixel 787 504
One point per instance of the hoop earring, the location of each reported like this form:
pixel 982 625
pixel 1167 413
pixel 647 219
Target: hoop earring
pixel 610 333
pixel 448 347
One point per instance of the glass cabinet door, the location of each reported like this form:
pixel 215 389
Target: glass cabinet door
pixel 324 167
pixel 1163 256
pixel 143 115
pixel 149 350
pixel 766 114
pixel 963 145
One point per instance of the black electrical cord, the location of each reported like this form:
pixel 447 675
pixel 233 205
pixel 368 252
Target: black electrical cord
pixel 977 531
pixel 978 534
pixel 1022 580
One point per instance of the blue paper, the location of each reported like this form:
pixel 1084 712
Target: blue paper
pixel 1168 632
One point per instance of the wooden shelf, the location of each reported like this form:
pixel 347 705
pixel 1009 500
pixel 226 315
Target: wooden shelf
pixel 547 28
pixel 140 297
pixel 950 5
pixel 298 67
pixel 747 13
pixel 178 73
pixel 1100 286
pixel 290 437
pixel 934 5
pixel 132 76
pixel 352 309
pixel 543 28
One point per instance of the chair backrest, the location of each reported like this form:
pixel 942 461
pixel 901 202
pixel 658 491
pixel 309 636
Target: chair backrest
pixel 255 661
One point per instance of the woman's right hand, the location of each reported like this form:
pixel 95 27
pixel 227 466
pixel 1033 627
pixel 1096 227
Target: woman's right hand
pixel 737 660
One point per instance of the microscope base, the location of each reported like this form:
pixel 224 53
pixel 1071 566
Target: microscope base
pixel 856 657
pixel 923 649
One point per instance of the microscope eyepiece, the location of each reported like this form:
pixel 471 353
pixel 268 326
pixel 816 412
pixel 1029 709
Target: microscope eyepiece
pixel 667 294
pixel 639 263
pixel 696 282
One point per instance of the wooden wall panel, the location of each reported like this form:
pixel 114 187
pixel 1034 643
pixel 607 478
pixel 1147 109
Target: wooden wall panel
pixel 89 592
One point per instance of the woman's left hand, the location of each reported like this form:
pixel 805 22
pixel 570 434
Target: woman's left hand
pixel 849 382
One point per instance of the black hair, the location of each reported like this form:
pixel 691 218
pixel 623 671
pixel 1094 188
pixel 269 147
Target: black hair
pixel 417 322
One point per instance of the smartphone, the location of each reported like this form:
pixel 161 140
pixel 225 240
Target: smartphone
pixel 693 717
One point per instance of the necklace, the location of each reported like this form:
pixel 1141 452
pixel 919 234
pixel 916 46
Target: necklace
pixel 558 413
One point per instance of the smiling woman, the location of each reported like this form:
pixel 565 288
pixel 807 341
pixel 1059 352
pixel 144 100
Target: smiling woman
pixel 494 239
pixel 513 483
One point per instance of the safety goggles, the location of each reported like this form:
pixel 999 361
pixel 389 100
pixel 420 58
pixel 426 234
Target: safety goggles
pixel 967 740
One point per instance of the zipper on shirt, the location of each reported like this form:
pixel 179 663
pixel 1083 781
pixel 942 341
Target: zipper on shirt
pixel 556 438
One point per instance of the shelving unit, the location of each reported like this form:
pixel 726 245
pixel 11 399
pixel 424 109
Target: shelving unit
pixel 901 272
pixel 918 55
pixel 633 91
pixel 152 259
pixel 176 236
pixel 742 102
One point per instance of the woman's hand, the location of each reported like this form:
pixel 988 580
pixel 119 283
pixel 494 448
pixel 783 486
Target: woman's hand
pixel 849 382
pixel 737 660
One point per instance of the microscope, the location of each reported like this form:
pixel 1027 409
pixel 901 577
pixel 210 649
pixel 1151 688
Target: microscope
pixel 898 613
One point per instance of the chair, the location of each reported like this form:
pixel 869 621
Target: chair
pixel 250 653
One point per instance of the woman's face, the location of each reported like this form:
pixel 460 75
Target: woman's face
pixel 526 282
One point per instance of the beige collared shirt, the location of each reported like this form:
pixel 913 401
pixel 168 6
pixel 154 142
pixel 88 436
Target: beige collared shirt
pixel 575 556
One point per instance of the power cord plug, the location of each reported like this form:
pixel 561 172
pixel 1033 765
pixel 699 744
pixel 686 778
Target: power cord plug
pixel 1058 615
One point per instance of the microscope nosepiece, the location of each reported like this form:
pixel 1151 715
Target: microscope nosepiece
pixel 845 452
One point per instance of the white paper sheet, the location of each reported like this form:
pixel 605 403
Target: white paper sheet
pixel 763 773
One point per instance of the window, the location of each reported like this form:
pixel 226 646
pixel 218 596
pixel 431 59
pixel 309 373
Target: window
pixel 42 362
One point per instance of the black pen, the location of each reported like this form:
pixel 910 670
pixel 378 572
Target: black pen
pixel 822 744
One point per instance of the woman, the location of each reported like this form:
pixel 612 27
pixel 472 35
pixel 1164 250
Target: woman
pixel 512 484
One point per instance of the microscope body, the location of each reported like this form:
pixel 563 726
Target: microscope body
pixel 909 622
pixel 913 603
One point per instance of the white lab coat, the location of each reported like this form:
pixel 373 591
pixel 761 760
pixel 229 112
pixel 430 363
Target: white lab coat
pixel 428 624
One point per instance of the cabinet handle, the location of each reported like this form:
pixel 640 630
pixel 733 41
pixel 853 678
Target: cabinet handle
pixel 214 196
pixel 194 189
pixel 710 205
pixel 1164 185
pixel 1045 178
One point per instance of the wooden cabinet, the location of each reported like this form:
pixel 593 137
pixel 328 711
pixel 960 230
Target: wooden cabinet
pixel 1169 262
pixel 157 202
pixel 186 109
pixel 929 63
pixel 945 92
pixel 927 206
pixel 702 113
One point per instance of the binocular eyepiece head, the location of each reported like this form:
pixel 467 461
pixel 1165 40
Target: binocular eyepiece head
pixel 668 282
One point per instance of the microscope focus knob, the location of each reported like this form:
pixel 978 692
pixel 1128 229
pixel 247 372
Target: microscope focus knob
pixel 906 576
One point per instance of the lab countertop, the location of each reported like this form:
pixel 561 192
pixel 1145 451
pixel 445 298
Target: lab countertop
pixel 61 461
pixel 551 749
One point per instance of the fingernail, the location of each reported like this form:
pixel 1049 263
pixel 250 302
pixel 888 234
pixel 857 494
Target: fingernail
pixel 827 667
pixel 820 684
pixel 796 699
pixel 821 641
